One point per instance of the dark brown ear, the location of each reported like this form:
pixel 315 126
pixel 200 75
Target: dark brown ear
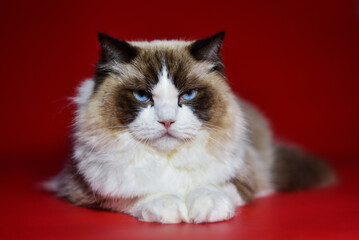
pixel 113 49
pixel 208 48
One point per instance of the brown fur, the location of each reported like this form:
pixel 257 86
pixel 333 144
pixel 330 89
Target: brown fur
pixel 73 188
pixel 294 170
pixel 282 168
pixel 248 180
pixel 254 177
pixel 245 190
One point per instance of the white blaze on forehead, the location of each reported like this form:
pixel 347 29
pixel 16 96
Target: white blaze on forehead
pixel 165 96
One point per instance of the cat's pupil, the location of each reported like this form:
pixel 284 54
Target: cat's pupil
pixel 141 93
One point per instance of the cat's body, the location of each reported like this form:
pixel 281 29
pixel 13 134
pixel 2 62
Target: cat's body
pixel 160 136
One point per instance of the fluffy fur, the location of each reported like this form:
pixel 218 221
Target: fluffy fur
pixel 169 159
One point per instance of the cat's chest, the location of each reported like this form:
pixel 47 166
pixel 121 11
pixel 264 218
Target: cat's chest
pixel 143 171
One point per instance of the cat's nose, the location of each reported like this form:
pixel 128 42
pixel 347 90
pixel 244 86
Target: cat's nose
pixel 167 124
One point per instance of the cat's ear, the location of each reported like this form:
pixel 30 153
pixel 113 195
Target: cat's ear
pixel 113 49
pixel 208 48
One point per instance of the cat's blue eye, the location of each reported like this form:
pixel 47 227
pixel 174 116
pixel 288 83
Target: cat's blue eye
pixel 189 95
pixel 141 95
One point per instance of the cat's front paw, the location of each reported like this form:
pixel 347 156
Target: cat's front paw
pixel 209 205
pixel 163 209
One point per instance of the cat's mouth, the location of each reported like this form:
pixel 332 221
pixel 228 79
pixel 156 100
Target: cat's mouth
pixel 167 135
pixel 165 141
pixel 164 136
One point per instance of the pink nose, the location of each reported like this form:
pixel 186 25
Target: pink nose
pixel 166 124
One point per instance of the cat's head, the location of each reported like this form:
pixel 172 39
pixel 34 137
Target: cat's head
pixel 162 92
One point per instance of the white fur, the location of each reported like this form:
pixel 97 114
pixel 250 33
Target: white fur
pixel 84 92
pixel 165 96
pixel 164 208
pixel 211 204
pixel 177 177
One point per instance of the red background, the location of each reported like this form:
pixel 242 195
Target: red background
pixel 298 61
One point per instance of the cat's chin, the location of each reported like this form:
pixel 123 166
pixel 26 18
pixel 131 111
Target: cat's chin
pixel 166 143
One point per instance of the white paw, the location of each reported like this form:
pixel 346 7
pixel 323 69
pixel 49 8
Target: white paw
pixel 209 205
pixel 163 209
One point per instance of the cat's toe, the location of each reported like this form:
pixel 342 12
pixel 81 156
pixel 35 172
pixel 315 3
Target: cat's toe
pixel 211 207
pixel 166 209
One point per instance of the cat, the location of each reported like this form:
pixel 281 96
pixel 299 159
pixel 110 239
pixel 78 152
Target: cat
pixel 159 135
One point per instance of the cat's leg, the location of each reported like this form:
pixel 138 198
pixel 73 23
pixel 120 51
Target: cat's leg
pixel 164 208
pixel 213 203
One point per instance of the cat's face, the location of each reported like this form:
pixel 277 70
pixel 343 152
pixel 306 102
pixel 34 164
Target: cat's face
pixel 162 92
pixel 167 119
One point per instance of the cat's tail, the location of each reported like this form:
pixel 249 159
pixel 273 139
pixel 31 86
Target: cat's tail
pixel 294 169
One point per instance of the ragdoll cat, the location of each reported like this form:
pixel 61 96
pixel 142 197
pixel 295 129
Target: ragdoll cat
pixel 159 135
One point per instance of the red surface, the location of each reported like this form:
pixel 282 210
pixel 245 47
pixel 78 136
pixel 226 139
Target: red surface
pixel 298 61
pixel 28 213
